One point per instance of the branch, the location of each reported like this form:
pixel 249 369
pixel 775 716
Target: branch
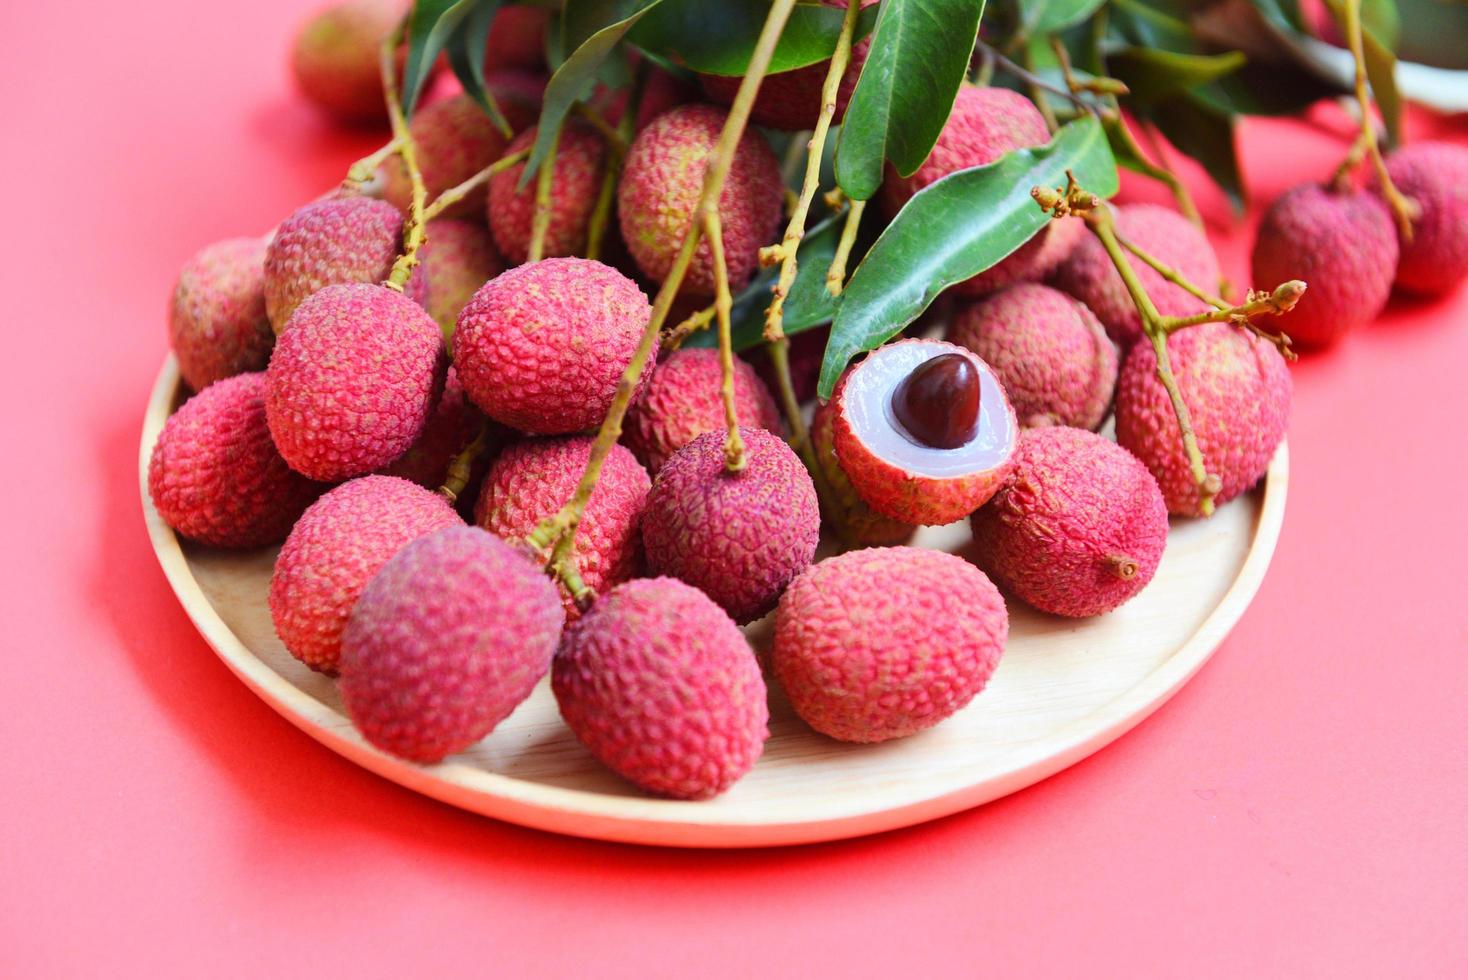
pixel 460 191
pixel 540 220
pixel 413 233
pixel 1402 209
pixel 836 275
pixel 601 213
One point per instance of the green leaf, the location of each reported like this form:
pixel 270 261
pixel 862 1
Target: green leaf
pixel 956 228
pixel 465 51
pixel 1205 133
pixel 1145 25
pixel 1048 16
pixel 919 56
pixel 1154 75
pixel 718 38
pixel 430 24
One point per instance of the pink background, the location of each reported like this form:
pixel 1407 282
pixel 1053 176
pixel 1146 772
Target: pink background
pixel 1299 808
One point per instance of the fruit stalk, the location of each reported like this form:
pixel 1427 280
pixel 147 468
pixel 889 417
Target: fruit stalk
pixel 723 306
pixel 674 337
pixel 462 190
pixel 413 227
pixel 460 468
pixel 836 275
pixel 601 213
pixel 1402 209
pixel 540 223
pixel 361 171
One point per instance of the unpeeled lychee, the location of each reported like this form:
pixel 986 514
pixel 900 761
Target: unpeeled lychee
pixel 855 522
pixel 576 179
pixel 453 424
pixel 661 686
pixel 1435 177
pixel 449 636
pixel 740 537
pixel 336 55
pixel 1342 243
pixel 353 380
pixel 217 322
pixel 334 550
pixel 516 39
pixel 882 643
pixel 1237 389
pixel 216 477
pixel 1078 527
pixel 542 347
pixel 458 257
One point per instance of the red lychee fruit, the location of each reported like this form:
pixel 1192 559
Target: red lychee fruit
pixel 336 54
pixel 855 522
pixel 1435 176
pixel 1078 527
pixel 458 257
pixel 454 423
pixel 740 537
pixel 576 181
pixel 353 380
pixel 542 347
pixel 661 686
pixel 1343 244
pixel 334 550
pixel 216 322
pixel 1237 389
pixel 885 642
pixel 216 477
pixel 660 92
pixel 516 39
pixel 447 639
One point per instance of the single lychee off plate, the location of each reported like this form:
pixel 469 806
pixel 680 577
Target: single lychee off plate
pixel 1064 689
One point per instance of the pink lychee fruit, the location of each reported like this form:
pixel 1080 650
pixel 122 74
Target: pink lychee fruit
pixel 1435 176
pixel 458 258
pixel 335 59
pixel 452 426
pixel 856 523
pixel 576 179
pixel 217 322
pixel 516 39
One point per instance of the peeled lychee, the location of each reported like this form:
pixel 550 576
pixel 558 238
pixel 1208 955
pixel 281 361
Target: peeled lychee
pixel 353 380
pixel 336 54
pixel 450 428
pixel 216 477
pixel 1237 389
pixel 660 186
pixel 458 257
pixel 1078 527
pixel 682 400
pixel 541 347
pixel 446 640
pixel 855 522
pixel 217 321
pixel 740 537
pixel 885 642
pixel 334 550
pixel 576 181
pixel 1089 275
pixel 1435 176
pixel 661 686
pixel 1343 244
pixel 1052 355
pixel 534 479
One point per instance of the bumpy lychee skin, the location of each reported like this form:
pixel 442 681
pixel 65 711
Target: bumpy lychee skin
pixel 458 258
pixel 353 380
pixel 575 183
pixel 1078 527
pixel 855 522
pixel 446 640
pixel 886 642
pixel 1343 244
pixel 533 480
pixel 217 322
pixel 452 425
pixel 1089 275
pixel 1435 176
pixel 541 347
pixel 335 58
pixel 740 537
pixel 661 686
pixel 334 550
pixel 1052 355
pixel 329 242
pixel 682 401
pixel 1237 389
pixel 216 477
pixel 660 187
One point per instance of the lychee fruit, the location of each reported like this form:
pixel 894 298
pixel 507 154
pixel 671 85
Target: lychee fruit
pixel 516 39
pixel 1078 527
pixel 1049 352
pixel 458 257
pixel 885 642
pixel 740 537
pixel 447 639
pixel 217 322
pixel 1089 275
pixel 216 477
pixel 1341 242
pixel 534 479
pixel 576 179
pixel 660 92
pixel 1435 176
pixel 336 54
pixel 855 522
pixel 923 431
pixel 334 550
pixel 542 347
pixel 1035 261
pixel 660 685
pixel 353 380
pixel 453 424
pixel 659 192
pixel 329 242
pixel 1237 389
pixel 683 400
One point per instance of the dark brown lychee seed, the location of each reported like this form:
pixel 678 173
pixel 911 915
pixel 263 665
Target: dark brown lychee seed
pixel 937 405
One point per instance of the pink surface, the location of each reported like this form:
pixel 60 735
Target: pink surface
pixel 1297 809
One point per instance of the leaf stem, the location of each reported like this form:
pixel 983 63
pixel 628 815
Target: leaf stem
pixel 1402 209
pixel 413 231
pixel 462 190
pixel 836 275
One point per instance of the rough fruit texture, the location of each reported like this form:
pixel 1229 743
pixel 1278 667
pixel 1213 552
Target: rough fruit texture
pixel 661 686
pixel 541 347
pixel 1052 355
pixel 458 257
pixel 854 521
pixel 1089 275
pixel 1237 389
pixel 215 475
pixel 452 425
pixel 1078 527
pixel 331 242
pixel 659 192
pixel 446 640
pixel 740 537
pixel 682 401
pixel 885 642
pixel 334 550
pixel 1342 244
pixel 217 323
pixel 575 183
pixel 533 480
pixel 335 58
pixel 1435 176
pixel 353 380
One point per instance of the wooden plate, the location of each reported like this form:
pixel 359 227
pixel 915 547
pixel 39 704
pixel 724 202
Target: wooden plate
pixel 1063 690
